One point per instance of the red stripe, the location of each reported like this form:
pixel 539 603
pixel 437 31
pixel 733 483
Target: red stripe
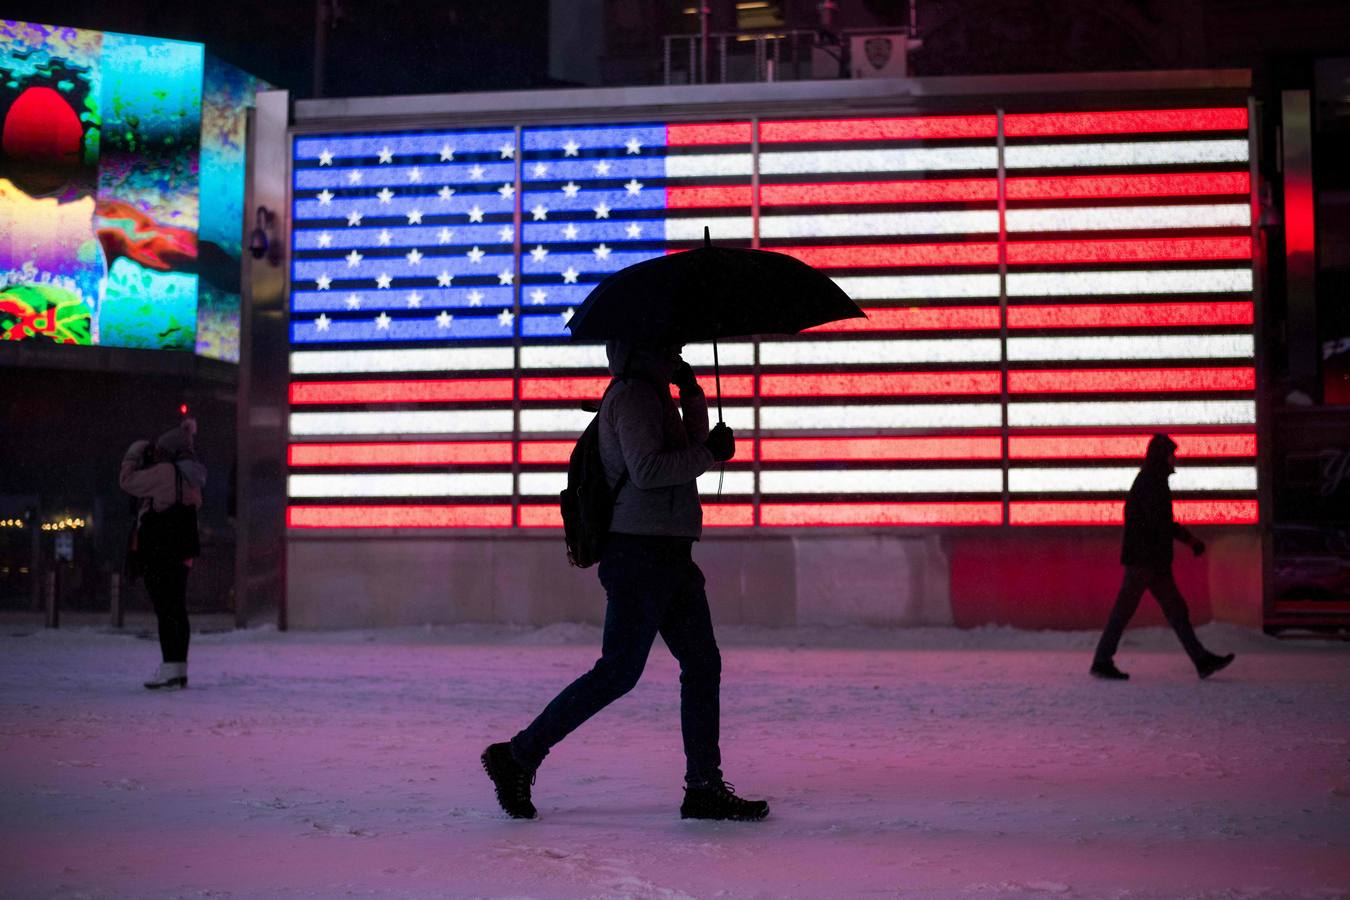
pixel 877 256
pixel 789 515
pixel 1068 381
pixel 878 449
pixel 1084 187
pixel 441 391
pixel 1112 512
pixel 1125 122
pixel 1149 250
pixel 708 197
pixel 907 129
pixel 706 133
pixel 880 384
pixel 588 388
pixel 715 515
pixel 956 190
pixel 545 452
pixel 1130 315
pixel 467 516
pixel 918 318
pixel 1128 446
pixel 398 454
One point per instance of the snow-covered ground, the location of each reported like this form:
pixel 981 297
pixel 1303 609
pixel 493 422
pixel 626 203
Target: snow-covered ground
pixel 931 763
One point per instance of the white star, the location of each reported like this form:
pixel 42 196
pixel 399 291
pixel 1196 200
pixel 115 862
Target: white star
pixel 446 192
pixel 601 252
pixel 386 155
pixel 570 276
pixel 508 151
pixel 540 169
pixel 540 212
pixel 444 319
pixel 633 145
pixel 570 189
pixel 602 211
pixel 570 148
pixel 507 191
pixel 414 300
pixel 325 239
pixel 323 281
pixel 385 237
pixel 566 316
pixel 444 279
pixel 570 232
pixel 633 186
pixel 383 281
pixel 538 296
pixel 505 318
pixel 353 301
pixel 476 214
pixel 414 256
pixel 602 167
pixel 322 322
pixel 634 230
pixel 414 217
pixel 385 195
pixel 475 298
pixel 475 255
pixel 325 157
pixel 325 197
pixel 476 172
pixel 354 218
pixel 445 235
pixel 382 321
pixel 415 173
pixel 354 176
pixel 506 277
pixel 447 153
pixel 506 233
pixel 354 259
pixel 539 252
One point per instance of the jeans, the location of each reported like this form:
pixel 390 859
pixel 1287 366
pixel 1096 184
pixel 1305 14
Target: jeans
pixel 653 587
pixel 167 586
pixel 1163 586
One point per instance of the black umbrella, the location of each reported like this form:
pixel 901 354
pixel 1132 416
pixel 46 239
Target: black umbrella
pixel 707 294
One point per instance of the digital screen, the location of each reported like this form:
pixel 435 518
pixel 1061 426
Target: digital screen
pixel 1016 356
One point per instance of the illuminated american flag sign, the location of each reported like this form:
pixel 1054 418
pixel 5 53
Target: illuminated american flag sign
pixel 1043 291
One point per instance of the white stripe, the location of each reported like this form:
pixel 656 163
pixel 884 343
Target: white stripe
pixel 542 484
pixel 721 228
pixel 878 223
pixel 482 484
pixel 1135 153
pixel 916 159
pixel 906 287
pixel 868 351
pixel 741 354
pixel 1141 281
pixel 330 362
pixel 574 421
pixel 882 481
pixel 1187 478
pixel 592 356
pixel 1172 346
pixel 481 421
pixel 1116 218
pixel 733 483
pixel 703 165
pixel 1138 412
pixel 549 484
pixel 897 415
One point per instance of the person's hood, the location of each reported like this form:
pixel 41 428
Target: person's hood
pixel 637 360
pixel 178 440
pixel 1160 447
pixel 194 473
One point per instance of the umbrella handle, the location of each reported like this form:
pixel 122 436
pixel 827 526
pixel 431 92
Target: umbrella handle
pixel 717 377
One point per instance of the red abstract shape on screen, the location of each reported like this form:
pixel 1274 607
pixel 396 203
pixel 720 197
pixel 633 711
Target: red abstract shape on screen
pixel 143 240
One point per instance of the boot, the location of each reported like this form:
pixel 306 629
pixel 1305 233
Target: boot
pixel 511 779
pixel 169 677
pixel 1107 671
pixel 719 802
pixel 1212 663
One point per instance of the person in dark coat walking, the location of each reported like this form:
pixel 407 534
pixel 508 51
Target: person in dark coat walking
pixel 653 585
pixel 1146 552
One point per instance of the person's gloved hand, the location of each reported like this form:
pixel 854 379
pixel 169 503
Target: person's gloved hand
pixel 721 442
pixel 1197 547
pixel 683 377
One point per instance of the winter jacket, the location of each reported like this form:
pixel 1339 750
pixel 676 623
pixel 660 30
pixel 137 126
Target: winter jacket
pixel 155 484
pixel 1149 526
pixel 642 432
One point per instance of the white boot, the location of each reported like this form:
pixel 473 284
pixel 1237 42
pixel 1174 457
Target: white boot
pixel 169 676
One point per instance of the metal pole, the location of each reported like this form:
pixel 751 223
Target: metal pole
pixel 53 608
pixel 115 599
pixel 35 558
pixel 665 56
pixel 704 14
pixel 243 402
pixel 320 44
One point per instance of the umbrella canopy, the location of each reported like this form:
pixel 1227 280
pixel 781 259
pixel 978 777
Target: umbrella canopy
pixel 710 293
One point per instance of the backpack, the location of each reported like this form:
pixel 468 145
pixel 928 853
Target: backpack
pixel 588 501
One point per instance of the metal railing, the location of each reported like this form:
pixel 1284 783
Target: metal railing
pixel 787 55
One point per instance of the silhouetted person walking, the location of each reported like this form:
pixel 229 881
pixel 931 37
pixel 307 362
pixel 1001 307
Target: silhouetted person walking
pixel 1146 552
pixel 651 456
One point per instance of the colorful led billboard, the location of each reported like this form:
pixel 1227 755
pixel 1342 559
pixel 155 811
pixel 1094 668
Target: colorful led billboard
pixel 1039 301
